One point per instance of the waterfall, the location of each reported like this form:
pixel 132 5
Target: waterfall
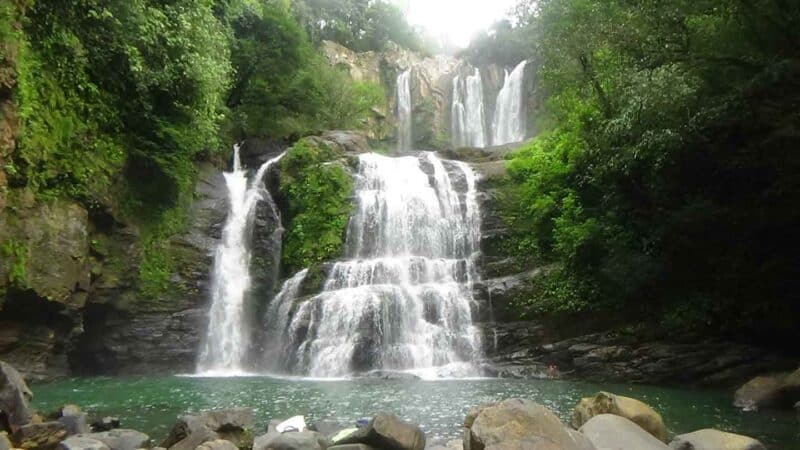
pixel 467 111
pixel 404 133
pixel 402 298
pixel 226 342
pixel 508 124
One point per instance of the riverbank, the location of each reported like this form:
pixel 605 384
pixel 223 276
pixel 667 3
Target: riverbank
pixel 151 404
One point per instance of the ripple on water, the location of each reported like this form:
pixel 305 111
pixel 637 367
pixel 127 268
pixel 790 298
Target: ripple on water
pixel 151 404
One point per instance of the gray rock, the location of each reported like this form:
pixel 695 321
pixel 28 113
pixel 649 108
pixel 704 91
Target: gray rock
pixel 388 432
pixel 190 431
pixel 121 439
pixel 82 443
pixel 304 440
pixel 449 445
pixel 609 431
pixel 581 442
pixel 41 436
pixel 769 391
pixel 328 428
pixel 5 443
pixel 515 423
pixel 74 419
pixel 218 444
pixel 14 397
pixel 710 439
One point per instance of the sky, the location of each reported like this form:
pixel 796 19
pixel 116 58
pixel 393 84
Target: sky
pixel 459 20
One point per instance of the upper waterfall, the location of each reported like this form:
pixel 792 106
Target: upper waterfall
pixel 402 300
pixel 467 112
pixel 226 342
pixel 404 108
pixel 508 125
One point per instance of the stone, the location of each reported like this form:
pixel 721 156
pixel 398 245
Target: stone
pixel 82 443
pixel 14 397
pixel 449 445
pixel 121 439
pixel 303 440
pixel 630 408
pixel 388 432
pixel 217 444
pixel 105 424
pixel 190 431
pixel 769 391
pixel 5 443
pixel 352 447
pixel 610 431
pixel 391 375
pixel 74 419
pixel 41 436
pixel 710 439
pixel 581 442
pixel 328 428
pixel 515 423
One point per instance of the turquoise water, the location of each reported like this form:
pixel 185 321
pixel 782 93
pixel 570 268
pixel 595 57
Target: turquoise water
pixel 151 404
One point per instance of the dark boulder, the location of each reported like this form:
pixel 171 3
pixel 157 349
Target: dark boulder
pixel 105 424
pixel 769 391
pixel 388 432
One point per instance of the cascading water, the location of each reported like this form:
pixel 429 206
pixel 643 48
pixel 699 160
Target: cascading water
pixel 508 125
pixel 404 132
pixel 403 298
pixel 226 342
pixel 467 111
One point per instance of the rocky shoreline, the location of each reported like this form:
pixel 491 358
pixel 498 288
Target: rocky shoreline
pixel 603 421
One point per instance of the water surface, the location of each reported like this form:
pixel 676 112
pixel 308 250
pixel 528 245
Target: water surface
pixel 151 404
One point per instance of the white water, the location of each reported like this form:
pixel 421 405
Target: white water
pixel 404 132
pixel 227 338
pixel 508 124
pixel 402 300
pixel 467 111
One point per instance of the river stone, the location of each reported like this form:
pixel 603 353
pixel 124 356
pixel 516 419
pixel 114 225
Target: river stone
pixel 217 444
pixel 5 443
pixel 354 447
pixel 303 440
pixel 769 391
pixel 630 408
pixel 105 424
pixel 610 431
pixel 581 442
pixel 327 428
pixel 515 423
pixel 82 443
pixel 190 431
pixel 74 419
pixel 41 436
pixel 121 439
pixel 14 398
pixel 710 439
pixel 388 432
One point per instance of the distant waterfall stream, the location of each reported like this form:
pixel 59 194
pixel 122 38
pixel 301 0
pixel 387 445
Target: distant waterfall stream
pixel 404 123
pixel 226 341
pixel 402 298
pixel 508 125
pixel 467 112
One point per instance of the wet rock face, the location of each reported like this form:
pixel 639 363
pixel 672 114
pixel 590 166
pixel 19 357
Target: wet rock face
pixel 14 398
pixel 608 431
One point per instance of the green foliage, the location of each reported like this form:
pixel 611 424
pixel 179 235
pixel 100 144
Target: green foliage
pixel 668 180
pixel 357 24
pixel 283 87
pixel 318 189
pixel 17 253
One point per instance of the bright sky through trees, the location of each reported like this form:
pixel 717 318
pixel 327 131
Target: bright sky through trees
pixel 456 20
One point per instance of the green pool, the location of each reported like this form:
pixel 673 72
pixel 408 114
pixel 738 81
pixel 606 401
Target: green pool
pixel 151 404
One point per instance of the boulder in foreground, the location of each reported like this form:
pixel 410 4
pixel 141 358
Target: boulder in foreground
pixel 630 408
pixel 14 398
pixel 710 439
pixel 388 432
pixel 121 439
pixel 191 431
pixel 610 431
pixel 42 436
pixel 82 443
pixel 516 423
pixel 301 440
